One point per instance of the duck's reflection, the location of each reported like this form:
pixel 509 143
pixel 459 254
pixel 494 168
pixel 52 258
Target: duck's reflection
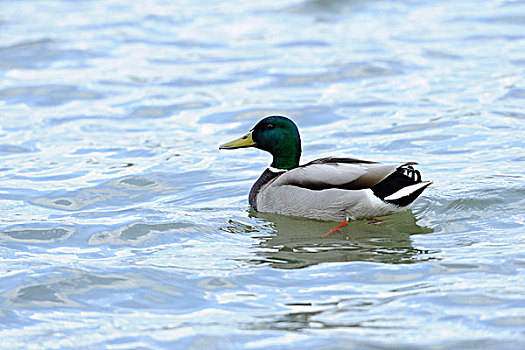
pixel 299 243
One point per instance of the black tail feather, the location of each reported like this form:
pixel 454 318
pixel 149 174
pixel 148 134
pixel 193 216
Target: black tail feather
pixel 406 200
pixel 403 177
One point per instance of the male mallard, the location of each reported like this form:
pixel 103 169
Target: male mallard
pixel 331 189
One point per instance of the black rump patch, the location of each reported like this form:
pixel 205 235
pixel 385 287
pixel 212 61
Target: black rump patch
pixel 404 176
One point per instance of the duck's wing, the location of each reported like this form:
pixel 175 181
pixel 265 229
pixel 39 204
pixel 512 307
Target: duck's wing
pixel 342 173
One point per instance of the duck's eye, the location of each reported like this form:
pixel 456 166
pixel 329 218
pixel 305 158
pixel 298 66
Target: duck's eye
pixel 270 126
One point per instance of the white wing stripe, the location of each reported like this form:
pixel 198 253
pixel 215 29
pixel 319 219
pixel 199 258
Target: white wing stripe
pixel 406 191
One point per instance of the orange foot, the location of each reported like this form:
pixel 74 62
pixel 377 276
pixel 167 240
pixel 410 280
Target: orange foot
pixel 335 229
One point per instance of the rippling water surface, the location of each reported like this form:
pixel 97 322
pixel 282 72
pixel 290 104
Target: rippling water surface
pixel 123 226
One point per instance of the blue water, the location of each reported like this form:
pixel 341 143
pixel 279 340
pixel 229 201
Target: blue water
pixel 122 226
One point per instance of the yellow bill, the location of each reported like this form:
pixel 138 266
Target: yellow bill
pixel 245 141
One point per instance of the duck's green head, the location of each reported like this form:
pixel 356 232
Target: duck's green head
pixel 277 135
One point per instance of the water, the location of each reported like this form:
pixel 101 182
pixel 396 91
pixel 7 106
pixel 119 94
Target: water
pixel 123 226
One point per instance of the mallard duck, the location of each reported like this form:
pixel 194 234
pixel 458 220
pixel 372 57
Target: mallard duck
pixel 329 189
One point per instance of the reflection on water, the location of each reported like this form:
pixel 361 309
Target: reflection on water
pixel 299 243
pixel 60 288
pixel 113 193
pixel 36 235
